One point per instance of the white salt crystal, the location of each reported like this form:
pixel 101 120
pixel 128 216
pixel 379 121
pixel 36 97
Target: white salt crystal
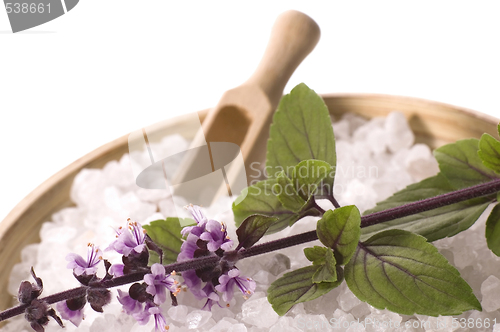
pixel 420 163
pixel 51 255
pixel 355 121
pixel 377 141
pixel 341 130
pixel 132 207
pixel 490 289
pixel 344 154
pixel 297 309
pixel 105 323
pixel 360 152
pixel 85 186
pixel 400 135
pixel 361 310
pixel 341 320
pixel 358 193
pixel 51 232
pixel 385 189
pixel 263 277
pixel 20 272
pixel 167 207
pixel 382 320
pixel 448 254
pixel 221 326
pixel 178 313
pixel 153 217
pixel 150 326
pixel 152 195
pixel 17 325
pixel 323 305
pixel 284 324
pixel 219 313
pixel 276 263
pixel 311 322
pixel 257 329
pixel 29 254
pixel 356 328
pixel 71 216
pixel 197 318
pixel 258 312
pixel 211 323
pixel 347 300
pixel 464 256
pixel 230 320
pixel 114 172
pixel 361 132
pixel 237 328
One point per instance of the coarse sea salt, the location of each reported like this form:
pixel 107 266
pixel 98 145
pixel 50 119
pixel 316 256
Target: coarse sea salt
pixel 375 159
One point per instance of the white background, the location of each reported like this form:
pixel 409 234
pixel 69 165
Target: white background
pixel 109 67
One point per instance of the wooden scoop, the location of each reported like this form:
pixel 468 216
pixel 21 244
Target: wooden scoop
pixel 243 114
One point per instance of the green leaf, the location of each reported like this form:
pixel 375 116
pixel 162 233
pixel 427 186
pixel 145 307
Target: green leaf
pixel 434 224
pixel 301 130
pixel 402 272
pixel 328 270
pixel 316 254
pixel 166 234
pixel 340 230
pixel 260 199
pixel 308 176
pixel 287 195
pixel 459 162
pixel 323 257
pixel 493 230
pixel 489 152
pixel 297 286
pixel 252 229
pixel 305 181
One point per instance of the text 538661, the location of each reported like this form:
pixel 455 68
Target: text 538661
pixel 25 8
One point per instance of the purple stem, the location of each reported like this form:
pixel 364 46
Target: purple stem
pixel 479 190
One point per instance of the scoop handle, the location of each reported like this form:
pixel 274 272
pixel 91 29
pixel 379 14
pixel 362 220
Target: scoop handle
pixel 293 36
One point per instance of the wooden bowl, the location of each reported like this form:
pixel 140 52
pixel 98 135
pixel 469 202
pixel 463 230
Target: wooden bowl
pixel 433 123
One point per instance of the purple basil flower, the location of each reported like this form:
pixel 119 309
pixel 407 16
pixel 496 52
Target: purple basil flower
pixel 216 236
pixel 158 283
pixel 131 240
pixel 160 322
pixel 116 270
pixel 197 214
pixel 193 283
pixel 74 316
pixel 188 248
pixel 212 297
pixel 142 317
pixel 232 278
pixel 80 265
pixel 209 238
pixel 130 305
pixel 200 219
